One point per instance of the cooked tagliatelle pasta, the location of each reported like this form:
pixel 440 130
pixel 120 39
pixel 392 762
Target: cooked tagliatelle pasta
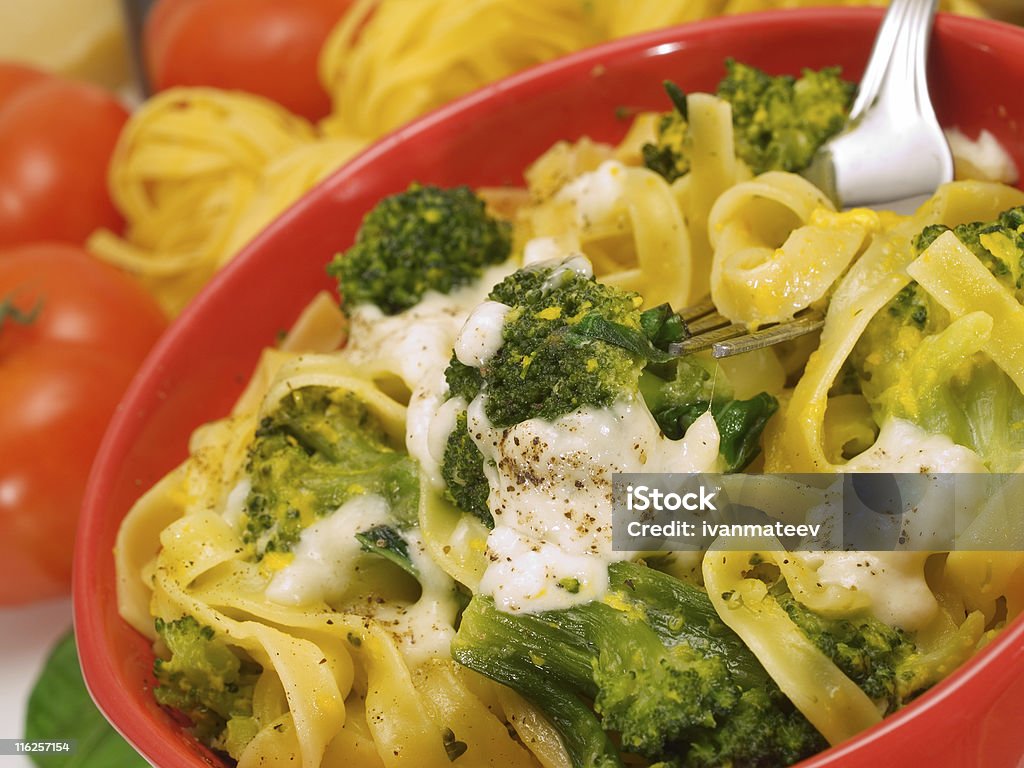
pixel 396 550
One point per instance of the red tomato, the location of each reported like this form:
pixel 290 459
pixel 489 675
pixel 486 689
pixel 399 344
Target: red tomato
pixel 60 380
pixel 15 77
pixel 266 47
pixel 57 138
pixel 80 300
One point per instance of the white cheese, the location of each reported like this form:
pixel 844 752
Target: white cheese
pixel 425 629
pixel 541 249
pixel 981 159
pixel 416 345
pixel 893 581
pixel 326 554
pixel 419 340
pixel 597 194
pixel 325 559
pixel 551 485
pixel 902 446
pixel 480 337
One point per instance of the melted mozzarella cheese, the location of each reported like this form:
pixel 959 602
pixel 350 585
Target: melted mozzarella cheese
pixel 419 340
pixel 417 346
pixel 326 554
pixel 597 194
pixel 326 557
pixel 425 629
pixel 551 486
pixel 541 249
pixel 902 446
pixel 893 581
pixel 481 336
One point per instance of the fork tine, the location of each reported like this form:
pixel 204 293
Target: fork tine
pixel 710 322
pixel 707 339
pixel 703 307
pixel 708 329
pixel 806 323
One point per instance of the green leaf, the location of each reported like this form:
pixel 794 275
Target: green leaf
pixel 630 339
pixel 385 541
pixel 675 93
pixel 663 326
pixel 60 709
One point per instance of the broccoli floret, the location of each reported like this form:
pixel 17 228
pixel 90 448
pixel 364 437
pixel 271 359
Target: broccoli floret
pixel 569 342
pixel 463 472
pixel 426 238
pixel 998 244
pixel 463 380
pixel 549 364
pixel 909 368
pixel 665 676
pixel 208 682
pixel 779 121
pixel 317 450
pixel 678 394
pixel 669 155
pixel 544 368
pixel 868 651
pixel 911 307
pixel 761 730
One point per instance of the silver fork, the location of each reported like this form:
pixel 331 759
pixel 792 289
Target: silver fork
pixel 891 155
pixel 710 330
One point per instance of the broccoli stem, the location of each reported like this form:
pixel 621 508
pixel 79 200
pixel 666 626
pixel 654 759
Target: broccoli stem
pixel 652 662
pixel 683 613
pixel 516 650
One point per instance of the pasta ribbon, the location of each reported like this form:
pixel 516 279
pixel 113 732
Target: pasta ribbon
pixel 779 247
pixel 196 173
pixel 955 278
pixel 795 439
pixel 456 542
pixel 817 687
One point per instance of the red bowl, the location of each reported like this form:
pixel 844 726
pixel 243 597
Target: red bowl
pixel 201 364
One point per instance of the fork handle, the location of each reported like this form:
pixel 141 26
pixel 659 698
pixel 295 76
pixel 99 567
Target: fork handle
pixel 896 73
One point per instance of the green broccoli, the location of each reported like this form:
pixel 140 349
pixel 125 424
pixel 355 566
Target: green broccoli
pixel 570 342
pixel 463 472
pixel 998 244
pixel 317 450
pixel 868 651
pixel 207 681
pixel 664 675
pixel 545 368
pixel 779 121
pixel 909 367
pixel 669 155
pixel 549 364
pixel 426 238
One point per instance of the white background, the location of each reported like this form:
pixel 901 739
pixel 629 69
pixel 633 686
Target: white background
pixel 26 637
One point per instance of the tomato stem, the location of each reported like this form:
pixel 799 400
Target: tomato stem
pixel 10 312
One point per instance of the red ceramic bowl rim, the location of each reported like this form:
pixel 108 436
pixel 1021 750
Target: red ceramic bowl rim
pixel 92 565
